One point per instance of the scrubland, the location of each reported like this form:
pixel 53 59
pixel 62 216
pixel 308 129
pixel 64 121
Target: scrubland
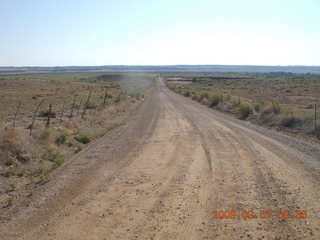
pixel 85 107
pixel 285 101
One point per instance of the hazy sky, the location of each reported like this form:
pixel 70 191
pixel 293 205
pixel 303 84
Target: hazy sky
pixel 160 32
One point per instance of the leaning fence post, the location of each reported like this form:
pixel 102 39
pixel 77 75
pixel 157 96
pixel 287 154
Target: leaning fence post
pixel 79 108
pixel 34 116
pixel 49 115
pixel 74 101
pixel 15 116
pixel 86 104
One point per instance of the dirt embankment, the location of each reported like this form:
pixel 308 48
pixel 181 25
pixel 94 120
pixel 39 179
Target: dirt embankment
pixel 162 175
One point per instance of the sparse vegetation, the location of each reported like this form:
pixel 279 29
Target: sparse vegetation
pixel 83 138
pixel 79 147
pixel 62 138
pixel 274 99
pixel 244 110
pixel 53 155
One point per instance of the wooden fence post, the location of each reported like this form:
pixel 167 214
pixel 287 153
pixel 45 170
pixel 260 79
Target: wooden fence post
pixel 74 101
pixel 86 104
pixel 105 97
pixel 79 108
pixel 62 111
pixel 274 108
pixel 15 116
pixel 34 116
pixel 49 115
pixel 239 100
pixel 315 119
pixel 252 105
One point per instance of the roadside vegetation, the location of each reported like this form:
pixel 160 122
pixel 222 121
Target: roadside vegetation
pixel 47 118
pixel 284 101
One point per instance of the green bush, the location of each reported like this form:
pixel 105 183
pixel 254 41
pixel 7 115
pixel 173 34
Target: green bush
pixel 186 93
pixel 244 110
pixel 15 170
pixel 79 147
pixel 62 138
pixel 53 155
pixel 83 138
pixel 214 100
pixel 204 94
pixel 288 121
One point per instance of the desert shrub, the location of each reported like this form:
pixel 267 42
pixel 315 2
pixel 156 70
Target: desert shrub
pixel 214 100
pixel 235 102
pixel 288 121
pixel 276 107
pixel 205 101
pixel 11 161
pixel 204 94
pixel 53 155
pixel 45 113
pixel 15 170
pixel 61 139
pixel 13 186
pixel 46 133
pixel 244 110
pixel 194 97
pixel 257 107
pixel 9 201
pixel 79 147
pixel 44 177
pixel 83 138
pixel 186 93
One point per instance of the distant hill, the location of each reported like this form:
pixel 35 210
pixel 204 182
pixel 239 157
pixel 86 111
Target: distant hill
pixel 169 68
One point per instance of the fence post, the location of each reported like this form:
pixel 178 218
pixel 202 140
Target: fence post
pixel 49 115
pixel 315 119
pixel 74 101
pixel 15 116
pixel 34 116
pixel 252 105
pixel 86 104
pixel 274 108
pixel 79 108
pixel 62 111
pixel 105 97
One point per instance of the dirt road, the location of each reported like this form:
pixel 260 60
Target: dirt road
pixel 162 174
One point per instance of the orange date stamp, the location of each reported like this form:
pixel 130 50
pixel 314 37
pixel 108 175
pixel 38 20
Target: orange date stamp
pixel 262 214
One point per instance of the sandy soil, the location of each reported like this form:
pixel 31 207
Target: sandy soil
pixel 162 174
